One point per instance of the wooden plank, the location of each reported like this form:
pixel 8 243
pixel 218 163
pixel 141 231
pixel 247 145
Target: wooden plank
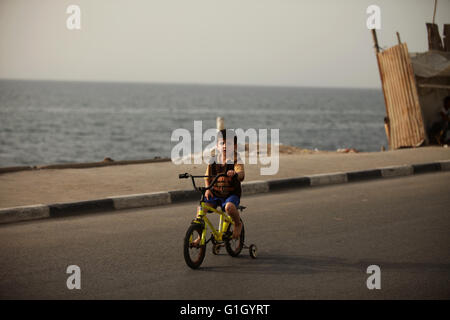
pixel 434 39
pixel 416 108
pixel 406 91
pixel 406 127
pixel 398 38
pixel 392 101
pixel 382 69
pixel 395 103
pixel 397 97
pixel 386 123
pixel 402 93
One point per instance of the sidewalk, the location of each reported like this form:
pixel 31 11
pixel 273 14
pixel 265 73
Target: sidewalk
pixel 70 185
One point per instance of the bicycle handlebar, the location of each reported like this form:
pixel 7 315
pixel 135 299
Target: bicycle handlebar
pixel 201 189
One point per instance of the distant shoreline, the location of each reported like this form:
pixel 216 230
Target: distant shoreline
pixel 238 85
pixel 283 150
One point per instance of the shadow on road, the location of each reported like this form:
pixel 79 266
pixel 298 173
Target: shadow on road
pixel 294 264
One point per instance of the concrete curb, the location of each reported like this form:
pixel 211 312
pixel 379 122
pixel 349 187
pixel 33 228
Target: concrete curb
pixel 362 175
pixel 25 213
pixel 38 211
pixel 289 183
pixel 397 171
pixel 326 179
pixel 140 200
pixel 73 208
pixel 445 165
pixel 254 187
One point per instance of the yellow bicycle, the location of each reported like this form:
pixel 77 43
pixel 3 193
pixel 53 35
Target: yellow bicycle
pixel 194 252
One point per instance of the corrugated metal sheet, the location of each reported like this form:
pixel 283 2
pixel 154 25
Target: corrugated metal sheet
pixel 406 128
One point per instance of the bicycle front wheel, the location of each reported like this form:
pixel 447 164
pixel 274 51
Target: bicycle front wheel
pixel 194 252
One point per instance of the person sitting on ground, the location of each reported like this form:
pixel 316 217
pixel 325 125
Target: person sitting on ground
pixel 227 190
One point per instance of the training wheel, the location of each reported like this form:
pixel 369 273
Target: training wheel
pixel 253 251
pixel 216 249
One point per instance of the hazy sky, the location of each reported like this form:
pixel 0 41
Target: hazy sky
pixel 261 42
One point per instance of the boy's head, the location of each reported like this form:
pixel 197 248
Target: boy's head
pixel 226 138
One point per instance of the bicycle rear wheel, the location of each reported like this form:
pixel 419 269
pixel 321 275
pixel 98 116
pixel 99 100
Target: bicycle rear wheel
pixel 234 246
pixel 194 254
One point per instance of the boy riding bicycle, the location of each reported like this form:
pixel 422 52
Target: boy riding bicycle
pixel 227 191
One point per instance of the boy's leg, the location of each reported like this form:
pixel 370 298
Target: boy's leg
pixel 231 205
pixel 210 203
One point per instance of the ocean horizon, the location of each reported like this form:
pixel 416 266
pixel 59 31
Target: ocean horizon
pixel 50 122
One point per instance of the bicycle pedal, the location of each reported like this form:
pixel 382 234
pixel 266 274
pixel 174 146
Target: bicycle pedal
pixel 227 236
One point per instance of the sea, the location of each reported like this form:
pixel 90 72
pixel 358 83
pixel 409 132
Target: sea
pixel 52 122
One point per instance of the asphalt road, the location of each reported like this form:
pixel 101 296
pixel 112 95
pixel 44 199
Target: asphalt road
pixel 314 243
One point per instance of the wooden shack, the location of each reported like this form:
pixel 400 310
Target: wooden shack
pixel 414 86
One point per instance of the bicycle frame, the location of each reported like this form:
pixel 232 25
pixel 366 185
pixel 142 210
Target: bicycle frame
pixel 220 237
pixel 224 221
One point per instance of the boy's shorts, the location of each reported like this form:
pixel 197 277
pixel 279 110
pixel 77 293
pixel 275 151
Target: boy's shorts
pixel 234 199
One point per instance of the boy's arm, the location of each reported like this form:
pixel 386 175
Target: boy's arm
pixel 207 173
pixel 239 169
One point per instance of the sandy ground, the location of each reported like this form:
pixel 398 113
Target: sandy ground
pixel 66 185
